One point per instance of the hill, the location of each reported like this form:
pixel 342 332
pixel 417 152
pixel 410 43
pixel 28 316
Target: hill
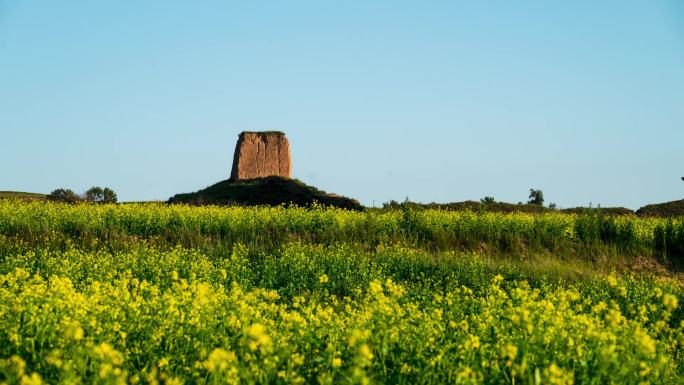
pixel 667 209
pixel 272 190
pixel 22 195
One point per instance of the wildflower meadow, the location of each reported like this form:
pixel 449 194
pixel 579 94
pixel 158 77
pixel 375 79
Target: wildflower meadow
pixel 173 294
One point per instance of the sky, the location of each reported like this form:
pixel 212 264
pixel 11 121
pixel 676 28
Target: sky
pixel 438 101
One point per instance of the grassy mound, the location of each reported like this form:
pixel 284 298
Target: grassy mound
pixel 22 195
pixel 270 191
pixel 667 209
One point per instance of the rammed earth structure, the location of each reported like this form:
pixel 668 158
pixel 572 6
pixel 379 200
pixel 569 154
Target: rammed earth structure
pixel 260 155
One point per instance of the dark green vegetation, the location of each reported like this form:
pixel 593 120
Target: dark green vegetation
pixel 94 194
pixel 536 197
pixel 668 209
pixel 272 191
pixel 64 195
pixel 488 204
pixel 100 195
pixel 599 210
pixel 280 133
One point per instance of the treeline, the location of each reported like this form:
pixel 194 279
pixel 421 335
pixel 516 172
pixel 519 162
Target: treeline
pixel 669 209
pixel 502 207
pixel 93 195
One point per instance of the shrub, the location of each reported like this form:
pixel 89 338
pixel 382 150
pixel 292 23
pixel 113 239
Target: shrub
pixel 64 195
pixel 487 200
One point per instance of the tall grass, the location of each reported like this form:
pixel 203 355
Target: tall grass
pixel 267 228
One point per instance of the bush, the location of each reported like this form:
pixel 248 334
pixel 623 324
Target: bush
pixel 64 195
pixel 487 200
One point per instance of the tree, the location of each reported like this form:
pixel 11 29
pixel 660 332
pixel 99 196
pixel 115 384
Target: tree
pixel 109 195
pixel 64 195
pixel 487 199
pixel 94 195
pixel 536 197
pixel 100 195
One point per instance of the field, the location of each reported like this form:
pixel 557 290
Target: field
pixel 172 294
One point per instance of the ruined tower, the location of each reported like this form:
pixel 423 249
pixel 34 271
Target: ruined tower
pixel 261 154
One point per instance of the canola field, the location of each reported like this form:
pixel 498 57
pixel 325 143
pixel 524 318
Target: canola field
pixel 157 294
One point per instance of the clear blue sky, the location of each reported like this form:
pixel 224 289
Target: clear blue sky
pixel 435 100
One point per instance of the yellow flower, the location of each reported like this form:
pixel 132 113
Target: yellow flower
pixel 78 333
pixel 219 360
pixel 365 352
pixel 558 376
pixel 465 373
pixel 323 278
pixel 644 342
pixel 258 337
pixel 376 287
pixel 508 353
pixel 33 379
pixel 107 353
pixel 623 291
pixel 473 342
pixel 19 363
pixel 74 331
pixel 336 362
pixel 670 301
pixel 356 336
